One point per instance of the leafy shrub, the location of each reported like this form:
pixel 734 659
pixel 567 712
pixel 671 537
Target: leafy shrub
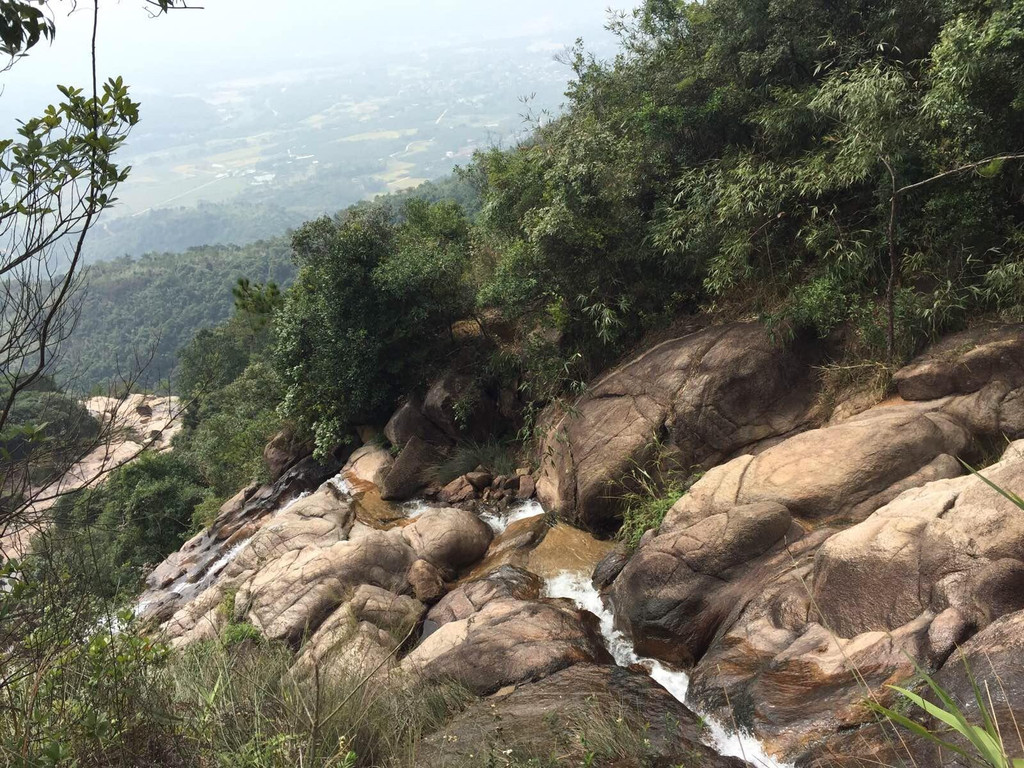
pixel 231 427
pixel 370 313
pixel 143 512
pixel 235 633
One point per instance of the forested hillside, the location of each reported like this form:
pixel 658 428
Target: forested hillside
pixel 710 358
pixel 145 309
pixel 166 230
pixel 151 305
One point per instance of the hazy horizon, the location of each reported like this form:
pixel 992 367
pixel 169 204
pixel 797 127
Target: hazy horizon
pixel 305 109
pixel 215 42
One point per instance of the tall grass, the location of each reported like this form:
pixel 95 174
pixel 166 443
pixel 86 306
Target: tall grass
pixel 496 457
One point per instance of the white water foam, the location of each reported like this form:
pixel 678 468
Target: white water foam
pixel 578 588
pixel 499 521
pixel 417 507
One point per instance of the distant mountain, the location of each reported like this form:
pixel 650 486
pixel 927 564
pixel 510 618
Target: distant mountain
pixel 150 306
pixel 178 229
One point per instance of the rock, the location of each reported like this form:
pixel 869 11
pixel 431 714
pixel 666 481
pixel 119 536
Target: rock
pixel 513 545
pixel 908 557
pixel 792 688
pixel 201 560
pixel 505 582
pixel 448 538
pixel 409 422
pixel 676 590
pixel 565 548
pixel 993 658
pixel 426 581
pixel 459 407
pixel 526 488
pixel 478 479
pixel 947 631
pixel 360 636
pixel 610 566
pixel 458 491
pixel 564 718
pixel 784 633
pixel 368 465
pixel 283 451
pixel 705 396
pixel 508 642
pixel 409 472
pixel 297 570
pixel 964 363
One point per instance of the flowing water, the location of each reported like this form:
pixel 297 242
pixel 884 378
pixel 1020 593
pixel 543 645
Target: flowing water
pixel 578 588
pixel 575 586
pixel 498 521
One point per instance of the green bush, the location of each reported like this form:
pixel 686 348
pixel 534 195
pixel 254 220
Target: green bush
pixel 496 457
pixel 370 313
pixel 106 535
pixel 235 633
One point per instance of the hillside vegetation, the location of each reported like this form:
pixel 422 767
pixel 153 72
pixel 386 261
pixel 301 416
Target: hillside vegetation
pixel 136 313
pixel 848 173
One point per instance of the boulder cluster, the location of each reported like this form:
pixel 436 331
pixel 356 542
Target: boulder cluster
pixel 826 552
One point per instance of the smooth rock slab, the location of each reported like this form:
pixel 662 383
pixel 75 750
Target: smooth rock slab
pixel 508 642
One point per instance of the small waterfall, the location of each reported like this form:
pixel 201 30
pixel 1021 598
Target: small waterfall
pixel 578 588
pixel 499 521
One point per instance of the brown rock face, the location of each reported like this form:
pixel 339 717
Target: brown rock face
pixel 409 472
pixel 409 422
pixel 954 543
pixel 706 396
pixel 507 582
pixel 360 636
pixel 683 582
pixel 457 405
pixel 283 451
pixel 856 546
pixel 508 642
pixel 966 362
pixel 300 567
pixel 555 721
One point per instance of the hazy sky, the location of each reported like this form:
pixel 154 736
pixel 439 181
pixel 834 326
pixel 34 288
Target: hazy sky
pixel 230 38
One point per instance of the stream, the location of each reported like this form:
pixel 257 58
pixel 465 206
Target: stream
pixel 568 584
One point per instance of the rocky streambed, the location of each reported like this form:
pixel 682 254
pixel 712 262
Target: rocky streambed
pixel 824 553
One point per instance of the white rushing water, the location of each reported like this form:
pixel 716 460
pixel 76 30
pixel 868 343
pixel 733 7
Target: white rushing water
pixel 499 521
pixel 578 588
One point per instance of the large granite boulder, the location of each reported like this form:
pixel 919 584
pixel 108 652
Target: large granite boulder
pixel 954 544
pixel 409 421
pixel 733 524
pixel 300 568
pixel 360 637
pixel 506 642
pixel 283 451
pixel 410 472
pixel 584 715
pixel 704 397
pixel 965 362
pixel 856 610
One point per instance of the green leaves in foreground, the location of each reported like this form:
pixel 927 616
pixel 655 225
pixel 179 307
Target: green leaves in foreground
pixel 986 741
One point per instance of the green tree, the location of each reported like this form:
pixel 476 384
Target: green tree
pixel 370 312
